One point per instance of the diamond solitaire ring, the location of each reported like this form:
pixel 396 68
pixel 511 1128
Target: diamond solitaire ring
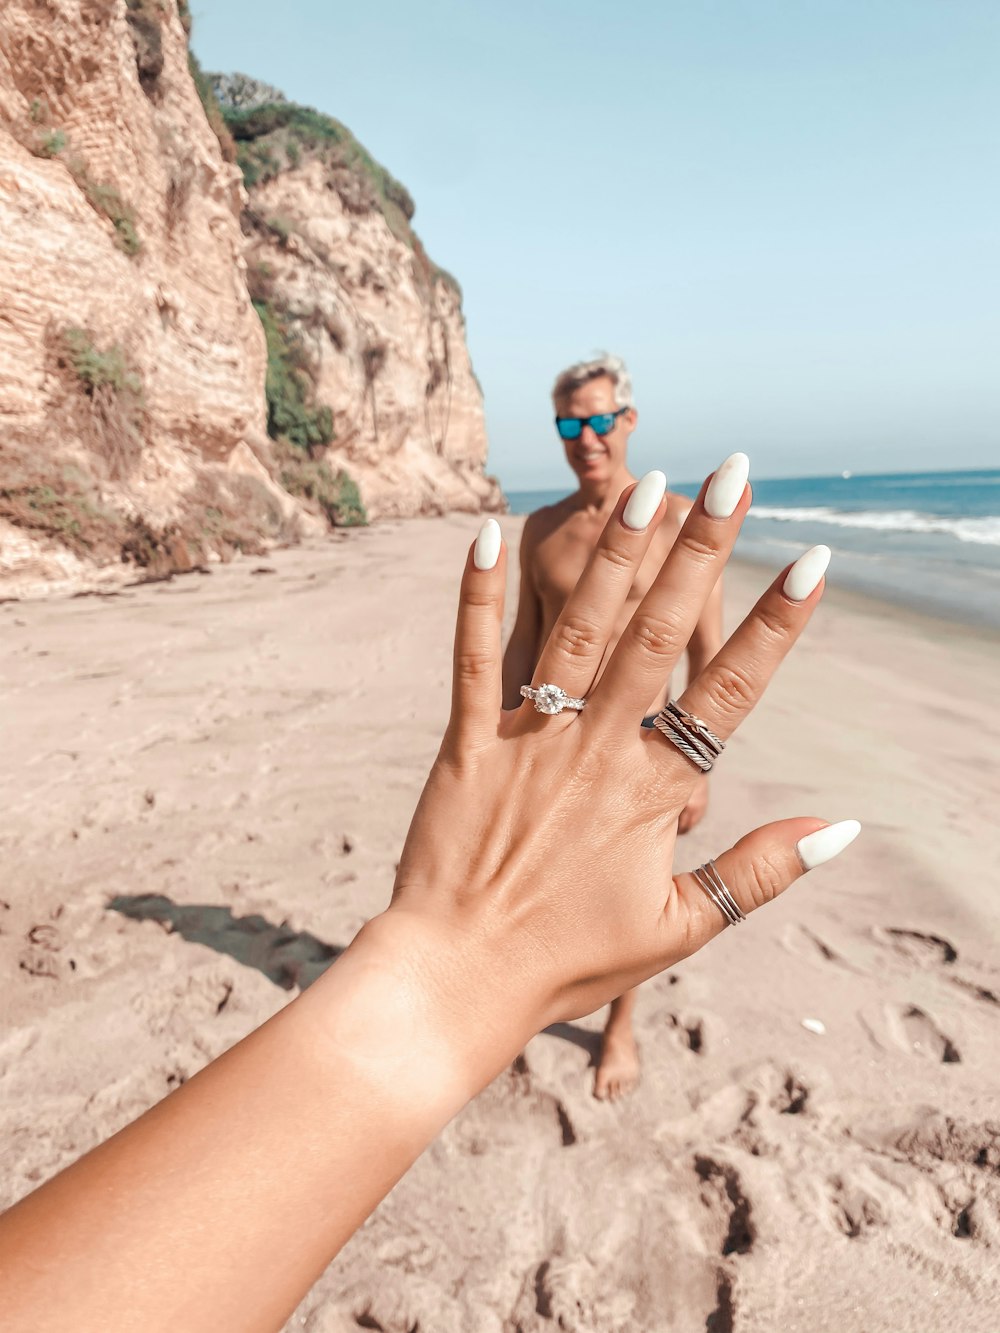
pixel 550 699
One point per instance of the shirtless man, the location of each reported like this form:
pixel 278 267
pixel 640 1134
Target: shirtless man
pixel 595 417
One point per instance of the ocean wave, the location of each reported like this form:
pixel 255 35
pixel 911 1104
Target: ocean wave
pixel 981 531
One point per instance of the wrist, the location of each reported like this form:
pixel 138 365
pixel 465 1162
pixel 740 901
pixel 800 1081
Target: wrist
pixel 424 1012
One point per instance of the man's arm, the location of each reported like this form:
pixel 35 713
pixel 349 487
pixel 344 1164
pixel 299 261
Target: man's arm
pixel 706 640
pixel 522 651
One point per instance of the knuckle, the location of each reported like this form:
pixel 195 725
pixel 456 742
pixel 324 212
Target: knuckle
pixel 576 636
pixel 471 666
pixel 772 622
pixel 657 635
pixel 697 546
pixel 732 691
pixel 616 557
pixel 478 599
pixel 766 880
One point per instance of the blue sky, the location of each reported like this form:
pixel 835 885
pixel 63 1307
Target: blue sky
pixel 782 213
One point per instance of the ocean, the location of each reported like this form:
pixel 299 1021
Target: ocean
pixel 928 540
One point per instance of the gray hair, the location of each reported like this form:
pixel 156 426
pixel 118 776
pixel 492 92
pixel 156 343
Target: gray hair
pixel 576 376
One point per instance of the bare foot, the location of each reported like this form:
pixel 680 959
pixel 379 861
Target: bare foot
pixel 618 1071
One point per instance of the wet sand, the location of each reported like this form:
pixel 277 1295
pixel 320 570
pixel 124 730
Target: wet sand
pixel 205 786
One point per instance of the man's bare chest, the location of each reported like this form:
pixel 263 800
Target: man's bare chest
pixel 561 558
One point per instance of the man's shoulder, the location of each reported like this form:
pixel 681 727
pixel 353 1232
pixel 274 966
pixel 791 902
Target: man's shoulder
pixel 678 506
pixel 540 522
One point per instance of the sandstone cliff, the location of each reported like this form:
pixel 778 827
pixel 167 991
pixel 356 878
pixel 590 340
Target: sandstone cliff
pixel 136 380
pixel 333 255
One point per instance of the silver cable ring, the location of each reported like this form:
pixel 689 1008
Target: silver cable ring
pixel 551 699
pixel 694 724
pixel 689 744
pixel 715 887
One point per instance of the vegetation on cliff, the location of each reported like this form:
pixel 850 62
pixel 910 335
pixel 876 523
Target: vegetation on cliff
pixel 276 136
pixel 44 139
pixel 300 427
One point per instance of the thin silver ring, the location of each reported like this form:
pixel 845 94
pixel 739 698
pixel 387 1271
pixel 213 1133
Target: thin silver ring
pixel 712 882
pixel 551 699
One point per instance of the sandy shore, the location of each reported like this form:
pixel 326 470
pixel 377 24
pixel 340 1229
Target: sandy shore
pixel 205 785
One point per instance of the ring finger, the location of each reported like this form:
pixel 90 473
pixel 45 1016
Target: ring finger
pixel 574 650
pixel 730 686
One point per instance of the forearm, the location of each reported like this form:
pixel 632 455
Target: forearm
pixel 249 1179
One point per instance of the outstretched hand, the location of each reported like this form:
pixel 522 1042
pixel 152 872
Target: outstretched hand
pixel 537 882
pixel 543 846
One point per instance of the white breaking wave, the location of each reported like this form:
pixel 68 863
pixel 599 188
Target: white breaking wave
pixel 982 531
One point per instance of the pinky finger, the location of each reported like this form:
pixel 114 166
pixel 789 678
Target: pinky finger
pixel 761 865
pixel 476 682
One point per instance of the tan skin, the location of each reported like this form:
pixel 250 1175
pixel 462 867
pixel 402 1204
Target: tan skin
pixel 221 1206
pixel 556 544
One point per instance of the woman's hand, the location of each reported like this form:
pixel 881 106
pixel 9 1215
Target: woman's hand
pixel 540 859
pixel 536 883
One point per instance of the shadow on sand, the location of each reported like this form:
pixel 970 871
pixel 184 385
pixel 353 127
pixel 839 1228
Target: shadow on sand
pixel 586 1040
pixel 287 957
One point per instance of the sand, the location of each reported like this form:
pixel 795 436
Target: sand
pixel 205 785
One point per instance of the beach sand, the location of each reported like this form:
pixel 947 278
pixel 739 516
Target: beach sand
pixel 206 783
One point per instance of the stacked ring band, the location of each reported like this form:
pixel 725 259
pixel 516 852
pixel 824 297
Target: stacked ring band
pixel 712 882
pixel 690 735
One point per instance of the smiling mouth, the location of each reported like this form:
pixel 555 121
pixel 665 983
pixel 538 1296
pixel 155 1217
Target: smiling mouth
pixel 592 455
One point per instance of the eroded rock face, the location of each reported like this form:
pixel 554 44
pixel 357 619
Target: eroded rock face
pixel 92 104
pixel 386 338
pixel 133 416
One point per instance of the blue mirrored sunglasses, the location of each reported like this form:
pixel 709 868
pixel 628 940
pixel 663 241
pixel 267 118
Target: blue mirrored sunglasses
pixel 571 428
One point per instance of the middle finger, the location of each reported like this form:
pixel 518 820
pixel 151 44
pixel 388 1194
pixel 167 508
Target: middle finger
pixel 666 617
pixel 574 650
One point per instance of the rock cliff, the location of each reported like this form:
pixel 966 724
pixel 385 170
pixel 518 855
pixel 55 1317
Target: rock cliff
pixel 141 391
pixel 333 257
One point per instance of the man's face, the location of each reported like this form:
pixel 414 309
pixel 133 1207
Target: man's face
pixel 596 458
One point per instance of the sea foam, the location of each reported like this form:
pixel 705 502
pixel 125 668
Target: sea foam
pixel 983 530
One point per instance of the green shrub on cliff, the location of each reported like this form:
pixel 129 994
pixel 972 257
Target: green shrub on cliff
pixel 209 101
pixel 97 369
pixel 290 412
pixel 107 401
pixel 277 134
pixel 301 428
pixel 313 479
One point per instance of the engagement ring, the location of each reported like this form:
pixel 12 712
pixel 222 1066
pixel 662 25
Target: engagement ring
pixel 550 699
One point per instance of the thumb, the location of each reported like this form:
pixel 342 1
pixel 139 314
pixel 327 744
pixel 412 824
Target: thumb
pixel 759 867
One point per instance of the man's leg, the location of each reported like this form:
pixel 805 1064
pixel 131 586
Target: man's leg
pixel 618 1070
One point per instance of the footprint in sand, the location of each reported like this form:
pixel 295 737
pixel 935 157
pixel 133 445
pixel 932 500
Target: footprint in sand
pixel 855 1209
pixel 571 1294
pixel 512 1111
pixel 690 1031
pixel 919 947
pixel 932 951
pixel 804 943
pixel 915 1031
pixel 729 1208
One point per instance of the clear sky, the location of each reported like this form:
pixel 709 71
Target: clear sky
pixel 784 214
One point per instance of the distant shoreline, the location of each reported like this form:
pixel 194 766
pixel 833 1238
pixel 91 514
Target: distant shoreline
pixel 926 541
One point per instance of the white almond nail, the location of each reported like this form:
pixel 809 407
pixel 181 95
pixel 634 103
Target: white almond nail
pixel 806 573
pixel 644 501
pixel 727 486
pixel 826 843
pixel 487 551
